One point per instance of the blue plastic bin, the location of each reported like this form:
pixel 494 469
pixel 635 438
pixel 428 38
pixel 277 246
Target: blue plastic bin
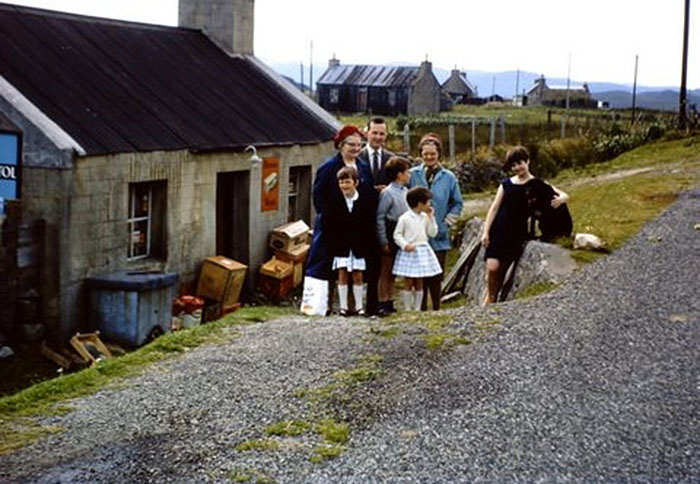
pixel 127 307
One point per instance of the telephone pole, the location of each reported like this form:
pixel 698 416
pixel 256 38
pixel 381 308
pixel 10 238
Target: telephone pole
pixel 683 102
pixel 634 88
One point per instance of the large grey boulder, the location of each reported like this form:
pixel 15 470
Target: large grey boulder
pixel 541 263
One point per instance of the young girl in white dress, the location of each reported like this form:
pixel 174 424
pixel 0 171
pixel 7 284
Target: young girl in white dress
pixel 416 259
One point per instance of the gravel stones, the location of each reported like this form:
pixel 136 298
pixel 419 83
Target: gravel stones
pixel 597 381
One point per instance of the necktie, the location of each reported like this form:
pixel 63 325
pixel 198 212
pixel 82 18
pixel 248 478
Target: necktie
pixel 375 165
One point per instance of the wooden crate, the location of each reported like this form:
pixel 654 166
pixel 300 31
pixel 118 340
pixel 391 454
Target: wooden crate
pixel 221 279
pixel 296 256
pixel 276 278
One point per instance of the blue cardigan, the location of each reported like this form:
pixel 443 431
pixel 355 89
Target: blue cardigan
pixel 325 193
pixel 447 198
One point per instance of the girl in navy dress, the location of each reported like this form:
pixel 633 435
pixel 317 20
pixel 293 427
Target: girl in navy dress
pixel 505 229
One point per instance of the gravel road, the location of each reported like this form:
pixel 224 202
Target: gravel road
pixel 597 381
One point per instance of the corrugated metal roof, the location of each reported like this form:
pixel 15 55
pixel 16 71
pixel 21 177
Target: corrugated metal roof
pixel 369 76
pixel 121 86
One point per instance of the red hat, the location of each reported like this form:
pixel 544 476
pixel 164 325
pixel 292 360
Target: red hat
pixel 345 131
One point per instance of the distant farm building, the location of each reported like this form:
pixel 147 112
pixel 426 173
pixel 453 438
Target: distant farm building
pixel 389 90
pixel 458 88
pixel 542 94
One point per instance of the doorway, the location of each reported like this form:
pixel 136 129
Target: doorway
pixel 232 215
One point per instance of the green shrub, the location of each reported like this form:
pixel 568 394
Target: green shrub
pixel 484 171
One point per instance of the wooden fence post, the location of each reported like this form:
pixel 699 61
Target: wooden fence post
pixel 473 138
pixel 451 134
pixel 492 133
pixel 406 138
pixel 503 129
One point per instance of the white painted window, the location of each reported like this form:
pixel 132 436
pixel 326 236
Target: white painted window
pixel 146 220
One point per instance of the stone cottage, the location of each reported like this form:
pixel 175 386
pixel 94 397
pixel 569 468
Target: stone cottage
pixel 458 88
pixel 388 90
pixel 134 142
pixel 542 94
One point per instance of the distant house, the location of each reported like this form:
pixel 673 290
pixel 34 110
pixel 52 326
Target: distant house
pixel 388 90
pixel 133 145
pixel 542 94
pixel 458 88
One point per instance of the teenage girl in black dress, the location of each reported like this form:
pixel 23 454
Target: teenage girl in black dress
pixel 505 230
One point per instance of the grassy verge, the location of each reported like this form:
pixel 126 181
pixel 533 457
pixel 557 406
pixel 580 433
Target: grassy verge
pixel 616 208
pixel 18 412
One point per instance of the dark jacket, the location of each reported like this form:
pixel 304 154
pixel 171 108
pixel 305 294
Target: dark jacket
pixel 347 230
pixel 382 179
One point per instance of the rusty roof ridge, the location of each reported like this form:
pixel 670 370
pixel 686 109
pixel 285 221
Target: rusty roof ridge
pixel 58 136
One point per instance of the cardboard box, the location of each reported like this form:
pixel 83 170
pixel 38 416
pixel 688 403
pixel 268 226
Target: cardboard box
pixel 289 236
pixel 221 279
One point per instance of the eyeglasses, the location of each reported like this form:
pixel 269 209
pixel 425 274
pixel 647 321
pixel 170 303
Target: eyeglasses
pixel 354 145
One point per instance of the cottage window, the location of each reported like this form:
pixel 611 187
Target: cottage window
pixel 146 222
pixel 392 98
pixel 299 194
pixel 334 95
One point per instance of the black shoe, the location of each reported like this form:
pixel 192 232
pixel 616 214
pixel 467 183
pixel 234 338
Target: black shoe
pixel 391 307
pixel 344 313
pixel 384 310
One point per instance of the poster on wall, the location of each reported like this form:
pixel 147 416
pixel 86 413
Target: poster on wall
pixel 10 167
pixel 270 197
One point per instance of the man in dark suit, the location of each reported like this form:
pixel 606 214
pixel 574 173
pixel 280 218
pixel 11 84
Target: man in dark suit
pixel 376 156
pixel 374 152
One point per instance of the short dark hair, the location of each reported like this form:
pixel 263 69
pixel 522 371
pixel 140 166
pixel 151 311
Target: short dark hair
pixel 418 195
pixel 348 172
pixel 396 165
pixel 376 120
pixel 514 155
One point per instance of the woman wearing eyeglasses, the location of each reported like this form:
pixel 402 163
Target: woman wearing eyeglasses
pixel 326 192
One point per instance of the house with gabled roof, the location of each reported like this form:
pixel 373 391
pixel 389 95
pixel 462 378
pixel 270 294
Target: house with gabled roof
pixel 578 96
pixel 458 87
pixel 136 144
pixel 388 90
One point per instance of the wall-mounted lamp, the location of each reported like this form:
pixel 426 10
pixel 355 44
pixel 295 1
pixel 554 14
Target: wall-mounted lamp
pixel 255 159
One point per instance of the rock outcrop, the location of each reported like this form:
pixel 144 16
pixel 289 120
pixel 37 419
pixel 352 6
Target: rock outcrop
pixel 540 263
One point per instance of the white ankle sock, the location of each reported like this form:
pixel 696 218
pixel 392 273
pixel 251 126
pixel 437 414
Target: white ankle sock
pixel 407 297
pixel 343 296
pixel 357 294
pixel 417 300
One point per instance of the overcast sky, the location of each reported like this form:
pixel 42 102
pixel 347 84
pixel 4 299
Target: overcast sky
pixel 601 36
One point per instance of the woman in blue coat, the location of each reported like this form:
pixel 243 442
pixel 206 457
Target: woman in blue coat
pixel 447 202
pixel 348 142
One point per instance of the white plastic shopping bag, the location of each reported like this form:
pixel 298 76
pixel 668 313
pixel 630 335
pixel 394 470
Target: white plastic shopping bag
pixel 315 297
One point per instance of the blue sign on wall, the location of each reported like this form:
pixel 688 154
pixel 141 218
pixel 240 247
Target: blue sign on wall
pixel 10 166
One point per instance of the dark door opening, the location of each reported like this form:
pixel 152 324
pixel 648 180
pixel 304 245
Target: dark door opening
pixel 232 215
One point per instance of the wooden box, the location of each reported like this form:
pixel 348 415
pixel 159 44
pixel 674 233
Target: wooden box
pixel 276 278
pixel 289 236
pixel 296 256
pixel 221 279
